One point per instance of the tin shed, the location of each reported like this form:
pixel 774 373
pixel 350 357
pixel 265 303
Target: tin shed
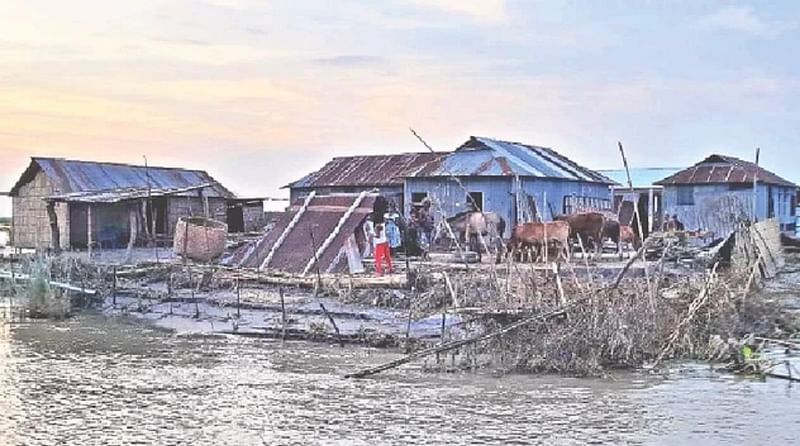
pixel 716 193
pixel 517 181
pixel 57 202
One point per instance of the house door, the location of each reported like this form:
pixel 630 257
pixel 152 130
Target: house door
pixel 770 203
pixel 78 222
pixel 157 209
pixel 235 219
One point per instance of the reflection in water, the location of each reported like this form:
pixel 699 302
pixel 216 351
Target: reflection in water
pixel 95 381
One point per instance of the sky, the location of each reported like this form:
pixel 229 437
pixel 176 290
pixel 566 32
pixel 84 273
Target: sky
pixel 259 93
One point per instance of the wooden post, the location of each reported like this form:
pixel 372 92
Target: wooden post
pixel 444 323
pixel 283 313
pixel 637 217
pixel 561 298
pixel 650 211
pixel 114 287
pixel 755 189
pixel 410 316
pixel 238 295
pixel 191 287
pixel 55 235
pixel 133 222
pixel 89 228
pixel 333 322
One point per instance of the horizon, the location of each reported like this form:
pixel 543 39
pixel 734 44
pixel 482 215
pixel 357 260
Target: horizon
pixel 260 95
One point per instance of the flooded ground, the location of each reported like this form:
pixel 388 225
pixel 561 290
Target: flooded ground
pixel 95 380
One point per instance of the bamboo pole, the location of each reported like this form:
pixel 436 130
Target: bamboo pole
pixel 89 229
pixel 283 313
pixel 460 343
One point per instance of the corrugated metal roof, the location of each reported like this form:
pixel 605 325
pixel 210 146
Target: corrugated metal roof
pixel 640 177
pixel 70 176
pixel 321 216
pixel 118 195
pixel 370 170
pixel 490 157
pixel 718 169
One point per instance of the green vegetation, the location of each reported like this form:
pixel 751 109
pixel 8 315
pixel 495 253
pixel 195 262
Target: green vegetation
pixel 43 300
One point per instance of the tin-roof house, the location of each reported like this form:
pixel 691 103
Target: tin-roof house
pixel 517 181
pixel 717 193
pixel 58 203
pixel 383 174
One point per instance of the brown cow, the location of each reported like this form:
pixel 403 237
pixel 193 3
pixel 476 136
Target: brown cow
pixel 535 235
pixel 588 227
pixel 627 235
pixel 592 228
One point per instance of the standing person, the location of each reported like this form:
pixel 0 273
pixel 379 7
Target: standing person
pixel 393 230
pixel 426 224
pixel 381 247
pixel 678 225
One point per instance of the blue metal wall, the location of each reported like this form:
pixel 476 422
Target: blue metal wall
pixel 555 191
pixel 499 193
pixel 696 217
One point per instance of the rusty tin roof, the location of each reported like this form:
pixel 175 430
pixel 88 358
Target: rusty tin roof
pixel 320 218
pixel 368 170
pixel 721 169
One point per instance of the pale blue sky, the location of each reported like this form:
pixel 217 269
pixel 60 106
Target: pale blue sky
pixel 260 93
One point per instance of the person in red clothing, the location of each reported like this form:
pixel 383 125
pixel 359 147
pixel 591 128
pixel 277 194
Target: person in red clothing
pixel 381 244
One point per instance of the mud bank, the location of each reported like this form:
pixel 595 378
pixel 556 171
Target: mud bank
pixel 305 319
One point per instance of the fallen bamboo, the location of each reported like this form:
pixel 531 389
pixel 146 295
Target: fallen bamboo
pixel 628 264
pixel 781 342
pixel 460 343
pixel 694 306
pixel 62 285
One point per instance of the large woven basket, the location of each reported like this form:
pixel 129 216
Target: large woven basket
pixel 199 238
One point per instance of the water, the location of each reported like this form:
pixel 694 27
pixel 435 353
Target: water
pixel 92 380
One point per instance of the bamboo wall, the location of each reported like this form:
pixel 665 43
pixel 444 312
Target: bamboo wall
pixel 31 224
pixel 178 207
pixel 253 217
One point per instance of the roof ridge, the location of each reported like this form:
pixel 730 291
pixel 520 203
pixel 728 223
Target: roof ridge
pixel 115 163
pixel 512 142
pixel 376 155
pixel 639 168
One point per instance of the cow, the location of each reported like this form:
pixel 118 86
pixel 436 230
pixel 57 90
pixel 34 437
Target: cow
pixel 588 227
pixel 474 225
pixel 535 235
pixel 627 235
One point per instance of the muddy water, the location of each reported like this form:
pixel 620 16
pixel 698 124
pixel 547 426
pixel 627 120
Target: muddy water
pixel 93 380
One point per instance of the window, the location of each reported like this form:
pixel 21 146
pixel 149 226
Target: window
pixel 573 204
pixel 418 197
pixel 740 186
pixel 685 195
pixel 475 199
pixel 793 206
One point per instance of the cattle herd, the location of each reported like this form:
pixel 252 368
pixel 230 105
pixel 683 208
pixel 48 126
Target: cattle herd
pixel 556 238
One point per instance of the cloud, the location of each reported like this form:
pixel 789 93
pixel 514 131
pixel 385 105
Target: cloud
pixel 744 19
pixel 479 10
pixel 349 61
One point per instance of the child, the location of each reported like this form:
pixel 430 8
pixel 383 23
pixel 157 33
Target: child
pixel 381 244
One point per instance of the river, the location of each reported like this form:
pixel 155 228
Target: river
pixel 94 380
